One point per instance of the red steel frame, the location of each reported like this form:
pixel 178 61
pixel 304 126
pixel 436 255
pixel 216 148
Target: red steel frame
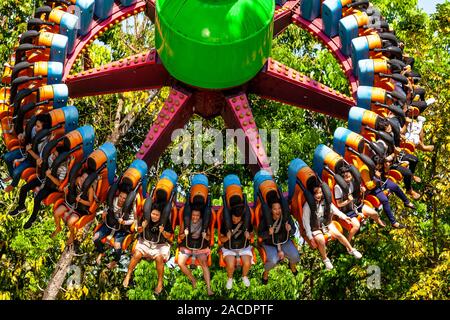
pixel 275 81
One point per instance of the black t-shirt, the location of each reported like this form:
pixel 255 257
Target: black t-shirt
pixel 151 232
pixel 278 237
pixel 238 235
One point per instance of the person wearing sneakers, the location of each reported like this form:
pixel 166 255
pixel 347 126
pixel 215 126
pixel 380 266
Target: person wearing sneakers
pixel 319 222
pixel 236 244
pixel 391 185
pixel 414 133
pixel 277 242
pixel 346 203
pixel 404 163
pixel 379 193
pixel 153 244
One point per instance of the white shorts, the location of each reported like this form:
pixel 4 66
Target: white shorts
pixel 151 251
pixel 247 251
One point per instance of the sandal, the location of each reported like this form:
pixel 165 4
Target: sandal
pixel 263 280
pixel 398 225
pixel 410 205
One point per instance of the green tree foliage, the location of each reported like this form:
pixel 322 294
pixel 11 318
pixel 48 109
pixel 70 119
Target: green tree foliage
pixel 413 263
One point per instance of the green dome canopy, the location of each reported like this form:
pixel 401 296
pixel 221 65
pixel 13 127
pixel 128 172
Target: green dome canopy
pixel 214 44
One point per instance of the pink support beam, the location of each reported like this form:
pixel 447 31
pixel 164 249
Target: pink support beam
pixel 281 83
pixel 283 17
pixel 151 10
pixel 138 72
pixel 315 28
pixel 238 115
pixel 119 14
pixel 176 112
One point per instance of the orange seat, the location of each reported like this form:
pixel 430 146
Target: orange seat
pixel 395 176
pixel 372 201
pixel 52 198
pixel 129 238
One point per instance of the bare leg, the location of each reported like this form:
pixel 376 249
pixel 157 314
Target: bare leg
pixel 354 229
pixel 59 212
pixel 71 225
pixel 246 264
pixel 230 262
pixel 320 240
pixel 203 259
pixel 373 214
pixel 427 148
pixel 160 271
pixel 340 237
pixel 182 258
pixel 137 256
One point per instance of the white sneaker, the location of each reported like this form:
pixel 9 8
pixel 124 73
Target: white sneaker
pixel 246 281
pixel 229 283
pixel 421 119
pixel 328 264
pixel 356 254
pixel 430 101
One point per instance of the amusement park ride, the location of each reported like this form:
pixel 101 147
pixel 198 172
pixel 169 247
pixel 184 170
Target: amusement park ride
pixel 212 54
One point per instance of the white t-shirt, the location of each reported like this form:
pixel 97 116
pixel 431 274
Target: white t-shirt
pixel 118 212
pixel 338 191
pixel 413 130
pixel 306 218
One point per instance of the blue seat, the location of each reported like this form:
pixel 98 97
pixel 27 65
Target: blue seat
pixel 88 137
pixel 331 14
pixel 60 95
pixel 58 48
pixel 310 9
pixel 68 26
pixel 355 118
pixel 103 8
pixel 110 151
pixel 85 14
pixel 70 118
pixel 348 30
pixel 340 138
pixel 54 72
pixel 360 51
pixel 366 72
pixel 364 97
pixel 320 155
pixel 294 166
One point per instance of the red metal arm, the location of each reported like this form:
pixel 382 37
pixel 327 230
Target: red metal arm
pixel 175 114
pixel 139 72
pixel 283 16
pixel 238 115
pixel 281 83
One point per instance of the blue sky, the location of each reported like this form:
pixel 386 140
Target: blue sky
pixel 429 5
